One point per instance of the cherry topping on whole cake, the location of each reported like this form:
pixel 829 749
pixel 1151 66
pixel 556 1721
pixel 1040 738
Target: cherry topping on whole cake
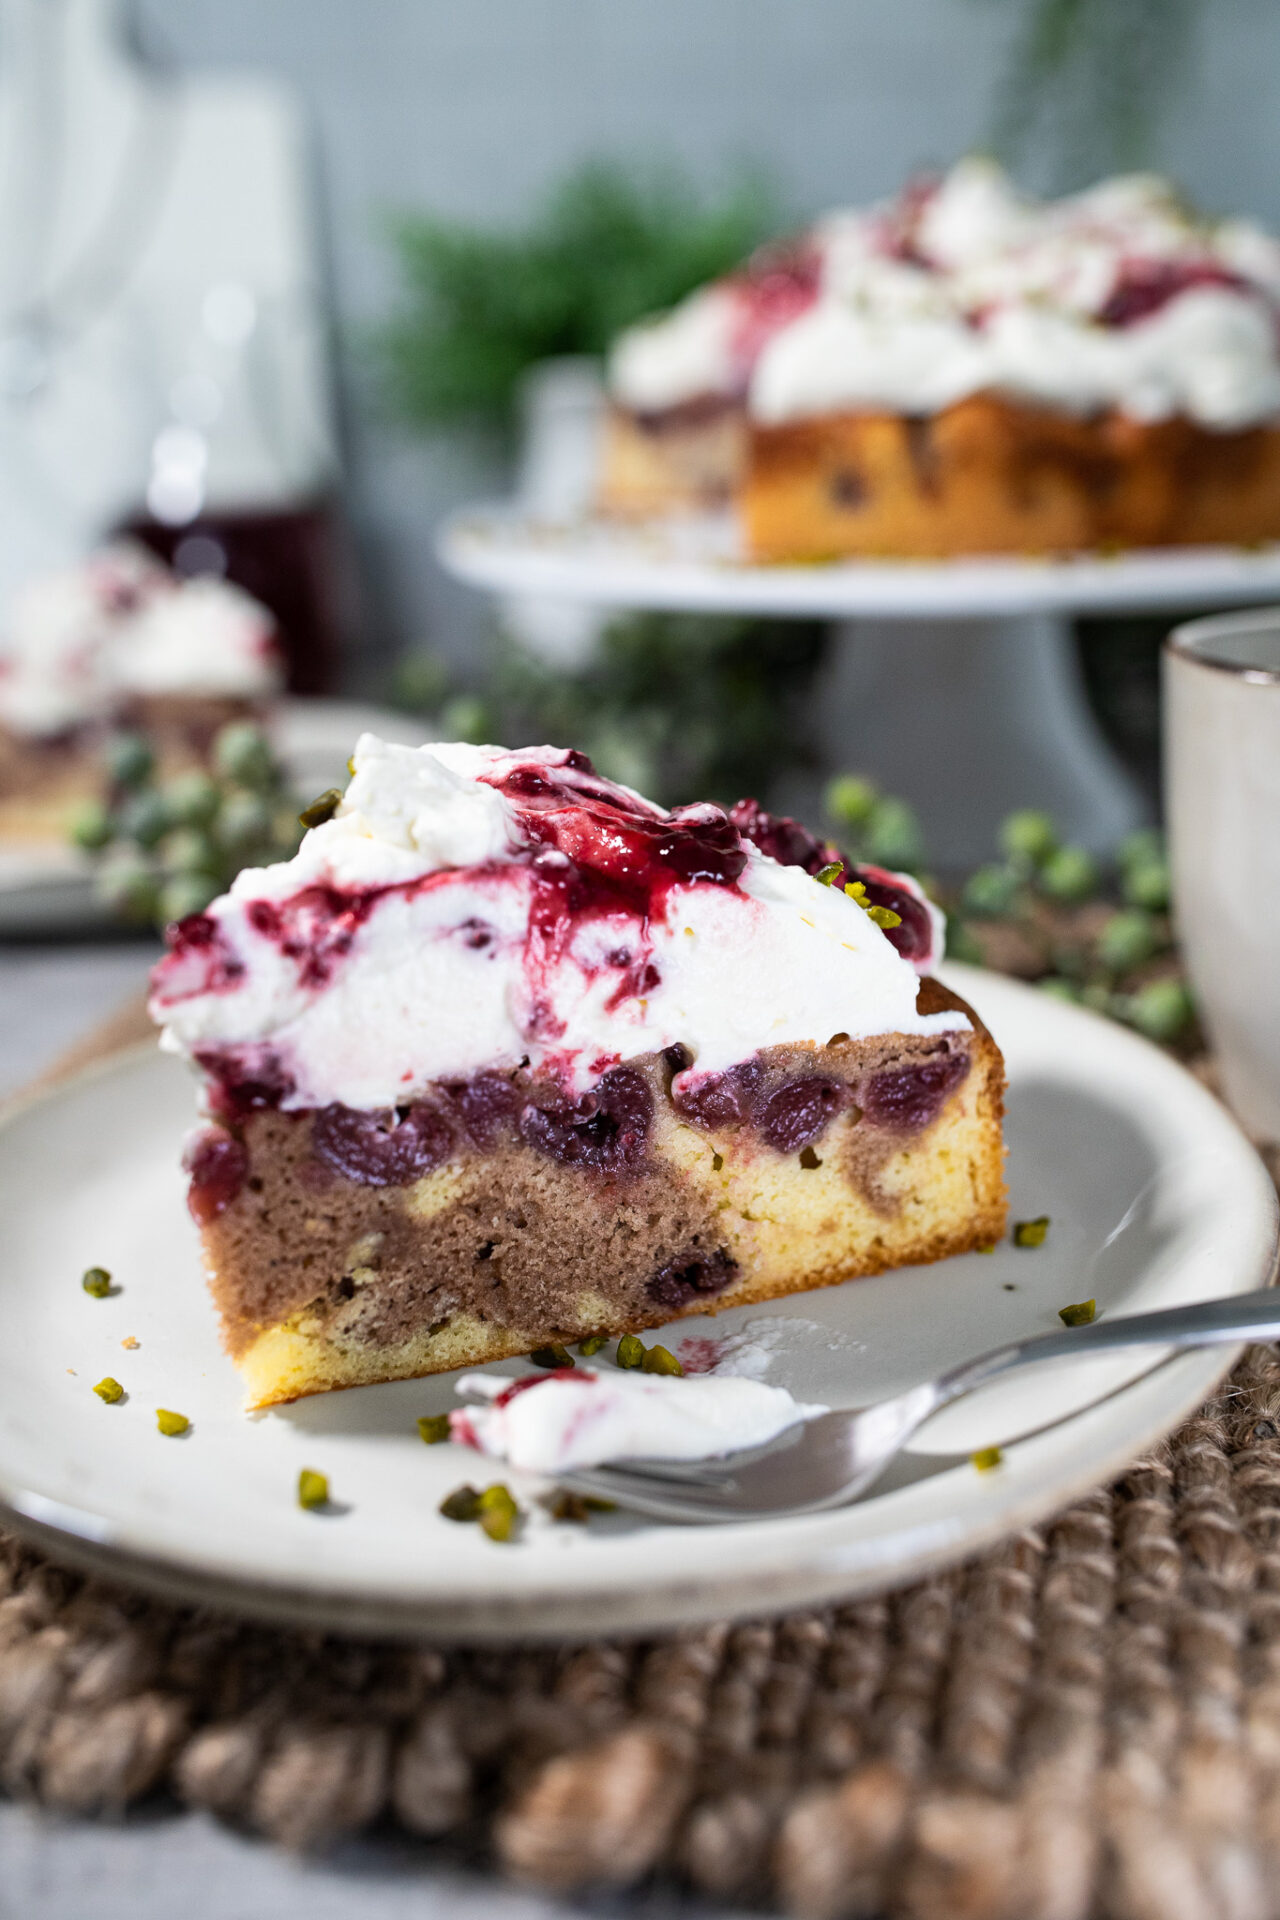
pixel 799 1112
pixel 382 1149
pixel 218 1164
pixel 607 1129
pixel 778 284
pixel 1144 287
pixel 905 1099
pixel 692 1275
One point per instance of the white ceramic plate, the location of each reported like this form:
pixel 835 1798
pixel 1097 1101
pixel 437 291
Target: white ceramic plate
pixel 696 565
pixel 1155 1199
pixel 47 888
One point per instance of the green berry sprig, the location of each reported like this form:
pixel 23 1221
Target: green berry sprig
pixel 165 849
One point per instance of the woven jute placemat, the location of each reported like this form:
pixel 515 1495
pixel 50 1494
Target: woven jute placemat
pixel 1081 1725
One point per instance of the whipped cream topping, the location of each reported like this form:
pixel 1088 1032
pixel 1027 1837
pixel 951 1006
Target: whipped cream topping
pixel 469 909
pixel 80 643
pixel 549 1423
pixel 1118 297
pixel 683 355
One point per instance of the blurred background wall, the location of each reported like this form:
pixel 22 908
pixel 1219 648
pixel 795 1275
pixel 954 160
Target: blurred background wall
pixel 474 109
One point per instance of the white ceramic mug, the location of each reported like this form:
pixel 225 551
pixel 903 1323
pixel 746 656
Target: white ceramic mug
pixel 1222 805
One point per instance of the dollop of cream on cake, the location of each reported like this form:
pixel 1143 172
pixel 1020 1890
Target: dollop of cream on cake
pixel 1118 297
pixel 552 1422
pixel 468 908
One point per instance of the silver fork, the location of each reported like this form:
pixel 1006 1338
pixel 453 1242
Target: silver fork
pixel 828 1461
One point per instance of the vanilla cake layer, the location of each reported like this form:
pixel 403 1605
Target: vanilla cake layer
pixel 325 1281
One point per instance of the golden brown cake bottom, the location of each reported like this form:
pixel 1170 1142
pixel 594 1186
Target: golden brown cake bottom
pixel 323 1281
pixel 991 476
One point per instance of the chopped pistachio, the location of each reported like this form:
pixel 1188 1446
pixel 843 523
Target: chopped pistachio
pixel 884 916
pixel 630 1351
pixel 313 1488
pixel 351 766
pixel 857 891
pixel 987 1249
pixel 660 1360
pixel 172 1423
pixel 592 1344
pixel 717 1162
pixel 556 1356
pixel 825 875
pixel 96 1281
pixel 986 1458
pixel 497 1512
pixel 433 1428
pixel 1080 1315
pixel 321 809
pixel 462 1504
pixel 109 1390
pixel 1031 1233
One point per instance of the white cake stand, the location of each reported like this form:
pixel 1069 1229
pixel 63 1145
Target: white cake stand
pixel 955 685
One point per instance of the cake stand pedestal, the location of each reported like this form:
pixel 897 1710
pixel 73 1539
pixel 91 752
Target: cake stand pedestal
pixel 953 683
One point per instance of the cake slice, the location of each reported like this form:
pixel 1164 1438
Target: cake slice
pixel 117 644
pixel 507 1056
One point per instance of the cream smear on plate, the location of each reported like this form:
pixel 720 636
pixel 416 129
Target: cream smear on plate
pixel 550 1423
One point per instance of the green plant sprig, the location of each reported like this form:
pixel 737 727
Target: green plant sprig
pixel 166 849
pixel 608 246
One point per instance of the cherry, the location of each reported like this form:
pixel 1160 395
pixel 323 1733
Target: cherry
pixel 799 1112
pixel 482 1105
pixel 217 1163
pixel 690 1276
pixel 607 1129
pixel 241 1085
pixel 904 1099
pixel 382 1149
pixel 719 1100
pixel 1144 287
pixel 782 838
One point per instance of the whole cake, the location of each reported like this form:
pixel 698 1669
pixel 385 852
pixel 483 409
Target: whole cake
pixel 120 643
pixel 964 370
pixel 507 1055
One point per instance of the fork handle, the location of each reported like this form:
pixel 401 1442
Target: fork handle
pixel 1243 1316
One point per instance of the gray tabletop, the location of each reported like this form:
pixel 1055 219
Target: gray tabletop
pixel 183 1866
